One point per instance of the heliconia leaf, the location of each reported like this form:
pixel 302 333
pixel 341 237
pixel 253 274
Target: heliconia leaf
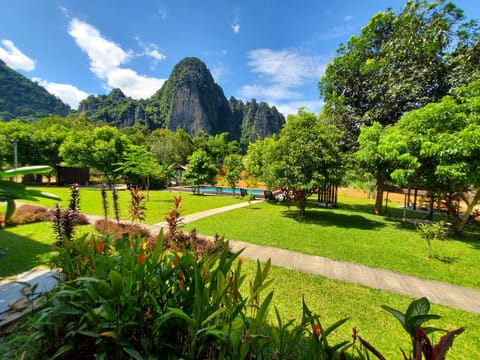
pixel 420 319
pixel 117 283
pixel 422 344
pixel 110 334
pixel 445 343
pixel 334 326
pixel 370 348
pixel 133 353
pixel 62 350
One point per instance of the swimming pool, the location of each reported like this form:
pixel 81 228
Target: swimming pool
pixel 227 190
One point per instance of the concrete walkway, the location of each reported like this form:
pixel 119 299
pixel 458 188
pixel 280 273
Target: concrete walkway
pixel 437 292
pixel 202 214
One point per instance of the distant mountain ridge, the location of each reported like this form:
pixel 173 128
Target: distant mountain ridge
pixel 21 98
pixel 189 99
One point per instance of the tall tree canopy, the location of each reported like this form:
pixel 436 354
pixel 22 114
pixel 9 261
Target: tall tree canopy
pixel 398 63
pixel 101 149
pixel 442 141
pixel 305 157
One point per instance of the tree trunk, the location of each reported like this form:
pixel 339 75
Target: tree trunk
pixel 302 203
pixel 379 197
pixel 470 205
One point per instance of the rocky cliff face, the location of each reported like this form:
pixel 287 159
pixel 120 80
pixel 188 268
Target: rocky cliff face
pixel 195 102
pixel 259 120
pixel 190 99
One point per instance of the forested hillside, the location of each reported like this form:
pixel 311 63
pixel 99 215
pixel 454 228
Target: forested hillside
pixel 21 98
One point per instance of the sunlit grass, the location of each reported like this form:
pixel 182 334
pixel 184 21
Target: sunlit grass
pixel 158 204
pixel 27 246
pixel 351 233
pixel 334 300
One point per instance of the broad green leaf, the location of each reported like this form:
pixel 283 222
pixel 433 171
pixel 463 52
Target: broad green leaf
pixel 334 326
pixel 117 283
pixel 417 307
pixel 37 169
pixel 62 350
pixel 10 209
pixel 133 353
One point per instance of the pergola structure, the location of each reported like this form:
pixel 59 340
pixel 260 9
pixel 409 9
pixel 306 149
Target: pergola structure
pixel 328 195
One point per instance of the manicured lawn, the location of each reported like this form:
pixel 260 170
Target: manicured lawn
pixel 351 233
pixel 334 300
pixel 158 206
pixel 27 246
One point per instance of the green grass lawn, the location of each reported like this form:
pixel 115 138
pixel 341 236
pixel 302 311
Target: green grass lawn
pixel 27 246
pixel 158 205
pixel 334 300
pixel 351 233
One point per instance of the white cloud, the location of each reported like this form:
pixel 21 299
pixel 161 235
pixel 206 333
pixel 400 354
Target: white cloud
pixel 348 18
pixel 288 68
pixel 280 72
pixel 281 76
pixel 14 58
pixel 69 94
pixel 218 71
pixel 150 50
pixel 236 28
pixel 104 55
pixel 155 54
pixel 291 107
pixel 132 84
pixel 106 59
pixel 270 92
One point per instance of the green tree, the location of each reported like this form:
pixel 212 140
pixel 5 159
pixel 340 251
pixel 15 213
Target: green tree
pixel 21 133
pixel 172 148
pixel 219 147
pixel 49 133
pixel 101 149
pixel 379 155
pixel 443 138
pixel 137 134
pixel 234 166
pixel 199 170
pixel 259 155
pixel 305 158
pixel 139 164
pixel 399 62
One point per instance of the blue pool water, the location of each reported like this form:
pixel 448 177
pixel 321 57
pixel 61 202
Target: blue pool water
pixel 227 190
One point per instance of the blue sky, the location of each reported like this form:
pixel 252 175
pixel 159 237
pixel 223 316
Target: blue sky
pixel 270 50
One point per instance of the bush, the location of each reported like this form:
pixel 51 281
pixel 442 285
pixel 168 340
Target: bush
pixel 27 214
pixel 118 229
